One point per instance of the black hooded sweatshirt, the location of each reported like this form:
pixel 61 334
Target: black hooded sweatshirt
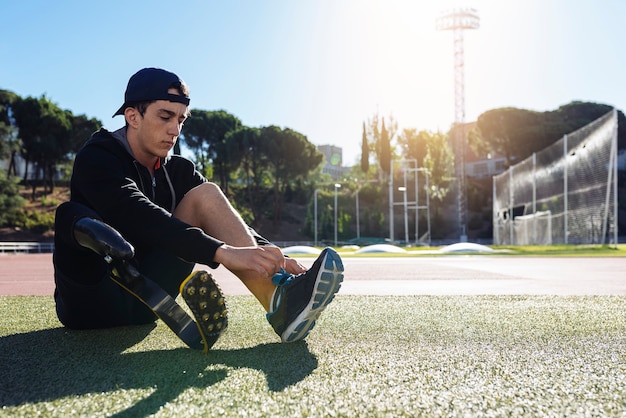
pixel 108 179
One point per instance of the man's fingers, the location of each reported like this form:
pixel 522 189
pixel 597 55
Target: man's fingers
pixel 265 261
pixel 293 266
pixel 277 256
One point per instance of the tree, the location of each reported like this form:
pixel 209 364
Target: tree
pixel 439 159
pixel 439 162
pixel 518 133
pixel 204 133
pixel 510 131
pixel 196 137
pixel 7 99
pixel 414 144
pixel 572 116
pixel 385 150
pixel 365 152
pixel 10 144
pixel 290 156
pixel 10 200
pixel 82 128
pixel 45 130
pixel 374 135
pixel 244 148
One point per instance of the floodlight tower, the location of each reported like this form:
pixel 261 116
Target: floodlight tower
pixel 458 20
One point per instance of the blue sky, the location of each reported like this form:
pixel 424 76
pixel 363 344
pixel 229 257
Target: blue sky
pixel 321 67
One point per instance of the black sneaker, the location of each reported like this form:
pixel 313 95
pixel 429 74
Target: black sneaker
pixel 299 300
pixel 205 299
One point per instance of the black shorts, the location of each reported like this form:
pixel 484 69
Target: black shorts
pixel 102 303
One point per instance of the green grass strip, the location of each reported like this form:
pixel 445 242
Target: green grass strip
pixel 502 250
pixel 368 356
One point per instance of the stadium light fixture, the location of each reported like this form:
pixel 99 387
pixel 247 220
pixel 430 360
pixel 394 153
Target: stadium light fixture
pixel 458 20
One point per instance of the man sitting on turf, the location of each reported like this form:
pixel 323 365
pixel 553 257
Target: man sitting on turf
pixel 170 217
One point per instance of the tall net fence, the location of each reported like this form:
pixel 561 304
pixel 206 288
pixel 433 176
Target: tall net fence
pixel 564 194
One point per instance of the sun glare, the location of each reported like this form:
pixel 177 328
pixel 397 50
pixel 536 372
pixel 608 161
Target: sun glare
pixel 384 58
pixel 410 71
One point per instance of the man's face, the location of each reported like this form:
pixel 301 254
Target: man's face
pixel 158 129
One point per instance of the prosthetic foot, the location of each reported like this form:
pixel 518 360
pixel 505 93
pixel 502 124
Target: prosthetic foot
pixel 102 239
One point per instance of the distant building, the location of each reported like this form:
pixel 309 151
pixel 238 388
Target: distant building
pixel 483 166
pixel 333 161
pixel 478 166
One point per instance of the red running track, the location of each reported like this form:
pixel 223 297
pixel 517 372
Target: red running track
pixel 32 274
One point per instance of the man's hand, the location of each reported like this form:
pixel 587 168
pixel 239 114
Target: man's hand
pixel 292 266
pixel 264 261
pixel 256 266
pixel 255 260
pixel 289 264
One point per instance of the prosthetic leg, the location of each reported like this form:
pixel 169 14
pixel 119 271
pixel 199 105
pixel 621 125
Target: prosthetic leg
pixel 200 292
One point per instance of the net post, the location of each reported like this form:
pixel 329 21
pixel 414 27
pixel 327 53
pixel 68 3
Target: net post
pixel 511 205
pixel 494 212
pixel 565 202
pixel 615 224
pixel 535 195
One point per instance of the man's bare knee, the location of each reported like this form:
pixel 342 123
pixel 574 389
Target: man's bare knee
pixel 206 191
pixel 206 207
pixel 207 197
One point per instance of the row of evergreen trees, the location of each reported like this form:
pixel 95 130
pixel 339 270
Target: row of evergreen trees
pixel 263 169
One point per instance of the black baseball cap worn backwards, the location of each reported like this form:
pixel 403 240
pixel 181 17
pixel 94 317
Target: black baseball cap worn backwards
pixel 151 84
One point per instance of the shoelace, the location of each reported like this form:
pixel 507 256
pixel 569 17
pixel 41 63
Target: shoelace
pixel 282 277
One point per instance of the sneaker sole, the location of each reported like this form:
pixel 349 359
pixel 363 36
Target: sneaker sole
pixel 327 284
pixel 205 299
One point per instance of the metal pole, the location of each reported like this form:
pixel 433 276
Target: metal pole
pixel 611 185
pixel 358 226
pixel 427 206
pixel 315 210
pixel 565 202
pixel 406 218
pixel 417 205
pixel 406 211
pixel 494 212
pixel 337 185
pixel 615 202
pixel 535 240
pixel 511 241
pixel 391 201
pixel 458 20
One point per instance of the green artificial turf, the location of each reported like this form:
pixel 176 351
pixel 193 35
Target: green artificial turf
pixel 368 356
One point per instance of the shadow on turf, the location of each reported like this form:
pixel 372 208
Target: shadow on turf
pixel 54 363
